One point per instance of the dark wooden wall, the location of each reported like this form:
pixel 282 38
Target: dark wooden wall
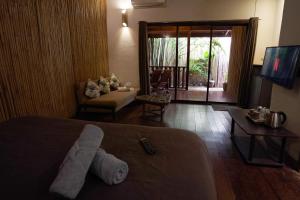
pixel 260 90
pixel 45 48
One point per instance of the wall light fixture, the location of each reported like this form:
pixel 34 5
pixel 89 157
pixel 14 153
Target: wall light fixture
pixel 124 18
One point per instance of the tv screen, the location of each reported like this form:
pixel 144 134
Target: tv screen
pixel 281 65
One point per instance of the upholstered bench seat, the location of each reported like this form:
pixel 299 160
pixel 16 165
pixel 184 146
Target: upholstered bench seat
pixel 115 100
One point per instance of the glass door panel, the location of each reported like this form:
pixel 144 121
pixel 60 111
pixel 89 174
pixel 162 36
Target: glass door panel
pixel 196 70
pixel 220 55
pixel 182 69
pixel 193 62
pixel 162 58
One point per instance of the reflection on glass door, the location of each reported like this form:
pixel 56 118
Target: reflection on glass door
pixel 162 58
pixel 182 68
pixel 220 55
pixel 196 65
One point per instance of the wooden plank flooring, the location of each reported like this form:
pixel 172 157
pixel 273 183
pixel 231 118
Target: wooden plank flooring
pixel 200 95
pixel 234 179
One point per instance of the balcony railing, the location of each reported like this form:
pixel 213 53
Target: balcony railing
pixel 182 81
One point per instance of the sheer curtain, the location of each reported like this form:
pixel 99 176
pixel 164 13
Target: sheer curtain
pixel 236 60
pixel 247 66
pixel 241 61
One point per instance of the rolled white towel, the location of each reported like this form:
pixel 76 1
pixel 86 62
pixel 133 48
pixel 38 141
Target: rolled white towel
pixel 109 168
pixel 73 170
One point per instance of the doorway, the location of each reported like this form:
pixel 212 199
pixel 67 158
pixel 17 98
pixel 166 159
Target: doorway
pixel 196 58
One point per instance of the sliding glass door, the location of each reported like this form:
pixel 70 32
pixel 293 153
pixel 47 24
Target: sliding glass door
pixel 219 65
pixel 192 61
pixel 193 56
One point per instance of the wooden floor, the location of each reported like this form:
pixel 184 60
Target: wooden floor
pixel 195 94
pixel 234 179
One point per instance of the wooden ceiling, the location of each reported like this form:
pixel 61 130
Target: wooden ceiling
pixel 185 31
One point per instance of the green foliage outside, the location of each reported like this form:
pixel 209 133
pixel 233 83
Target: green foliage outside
pixel 163 53
pixel 200 66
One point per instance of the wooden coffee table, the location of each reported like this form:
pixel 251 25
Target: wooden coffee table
pixel 157 100
pixel 251 151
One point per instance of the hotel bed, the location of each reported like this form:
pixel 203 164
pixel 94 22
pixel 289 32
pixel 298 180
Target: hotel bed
pixel 32 148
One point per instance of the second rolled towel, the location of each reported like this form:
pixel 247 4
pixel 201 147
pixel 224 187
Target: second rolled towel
pixel 109 168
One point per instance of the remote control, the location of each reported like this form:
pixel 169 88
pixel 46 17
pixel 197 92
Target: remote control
pixel 148 147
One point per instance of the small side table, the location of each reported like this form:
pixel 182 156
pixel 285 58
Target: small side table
pixel 247 148
pixel 157 100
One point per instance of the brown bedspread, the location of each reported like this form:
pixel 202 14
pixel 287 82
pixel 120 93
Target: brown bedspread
pixel 31 150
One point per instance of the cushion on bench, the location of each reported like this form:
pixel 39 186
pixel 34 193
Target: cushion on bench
pixel 114 100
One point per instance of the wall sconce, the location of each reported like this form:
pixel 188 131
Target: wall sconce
pixel 124 18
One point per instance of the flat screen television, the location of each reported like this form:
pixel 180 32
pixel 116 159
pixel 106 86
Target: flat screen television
pixel 281 65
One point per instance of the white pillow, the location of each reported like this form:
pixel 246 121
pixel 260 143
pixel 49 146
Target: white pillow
pixel 92 90
pixel 114 82
pixel 114 78
pixel 103 81
pixel 104 84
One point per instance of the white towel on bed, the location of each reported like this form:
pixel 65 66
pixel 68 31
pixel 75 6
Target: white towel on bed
pixel 73 170
pixel 109 168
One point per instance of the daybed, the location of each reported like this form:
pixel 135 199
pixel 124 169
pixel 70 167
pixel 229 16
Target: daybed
pixel 112 101
pixel 32 149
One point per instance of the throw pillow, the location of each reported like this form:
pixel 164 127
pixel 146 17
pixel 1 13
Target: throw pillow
pixel 92 90
pixel 104 85
pixel 114 82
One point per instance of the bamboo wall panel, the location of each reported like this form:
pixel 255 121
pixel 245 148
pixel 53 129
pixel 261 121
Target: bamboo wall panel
pixel 26 72
pixel 4 113
pixel 41 58
pixel 91 51
pixel 56 52
pixel 8 76
pixel 4 52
